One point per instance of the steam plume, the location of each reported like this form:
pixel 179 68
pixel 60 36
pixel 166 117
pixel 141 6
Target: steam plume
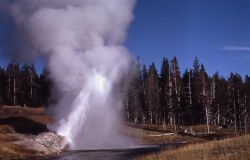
pixel 81 41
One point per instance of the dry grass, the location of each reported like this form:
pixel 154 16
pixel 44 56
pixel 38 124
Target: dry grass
pixel 237 148
pixel 7 111
pixel 10 151
pixel 34 114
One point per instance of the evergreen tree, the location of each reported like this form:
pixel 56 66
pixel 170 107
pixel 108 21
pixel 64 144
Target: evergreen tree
pixel 164 91
pixel 193 98
pixel 124 88
pixel 246 104
pixel 234 95
pixel 13 83
pixel 219 99
pixel 205 97
pixel 176 86
pixel 186 98
pixel 29 88
pixel 133 94
pixel 3 84
pixel 45 86
pixel 145 94
pixel 137 93
pixel 196 90
pixel 153 95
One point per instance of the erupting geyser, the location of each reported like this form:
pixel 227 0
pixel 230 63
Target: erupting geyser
pixel 81 41
pixel 95 91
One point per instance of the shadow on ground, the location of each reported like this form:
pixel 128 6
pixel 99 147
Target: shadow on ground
pixel 24 125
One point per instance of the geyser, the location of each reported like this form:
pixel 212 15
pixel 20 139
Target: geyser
pixel 97 89
pixel 81 41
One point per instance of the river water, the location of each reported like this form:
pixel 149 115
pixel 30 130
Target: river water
pixel 114 154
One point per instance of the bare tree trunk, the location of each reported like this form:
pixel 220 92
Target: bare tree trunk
pixel 245 121
pixel 207 117
pixel 127 110
pixel 245 115
pixel 14 92
pixel 175 129
pixel 205 101
pixel 176 88
pixel 136 118
pixel 151 117
pixel 164 123
pixel 9 88
pixel 235 121
pixel 143 119
pixel 189 89
pixel 218 116
pixel 170 99
pixel 156 118
pixel 31 81
pixel 240 124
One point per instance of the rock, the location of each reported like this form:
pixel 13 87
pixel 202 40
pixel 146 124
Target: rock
pixel 44 144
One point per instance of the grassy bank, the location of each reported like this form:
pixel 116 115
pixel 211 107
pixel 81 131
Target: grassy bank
pixel 237 148
pixel 155 134
pixel 15 124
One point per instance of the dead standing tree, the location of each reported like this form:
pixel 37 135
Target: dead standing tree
pixel 13 71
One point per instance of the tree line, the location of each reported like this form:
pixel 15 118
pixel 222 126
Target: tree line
pixel 21 85
pixel 149 97
pixel 169 98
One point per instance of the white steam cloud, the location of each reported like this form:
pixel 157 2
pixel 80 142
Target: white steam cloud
pixel 81 41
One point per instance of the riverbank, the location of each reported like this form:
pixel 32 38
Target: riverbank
pixel 237 148
pixel 156 134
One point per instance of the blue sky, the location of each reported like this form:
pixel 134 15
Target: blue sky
pixel 216 31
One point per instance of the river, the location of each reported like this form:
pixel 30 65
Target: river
pixel 114 154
